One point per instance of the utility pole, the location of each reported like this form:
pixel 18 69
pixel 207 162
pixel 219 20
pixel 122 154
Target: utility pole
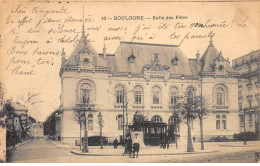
pixel 123 117
pixel 100 121
pixel 85 140
pixel 244 126
pixel 201 118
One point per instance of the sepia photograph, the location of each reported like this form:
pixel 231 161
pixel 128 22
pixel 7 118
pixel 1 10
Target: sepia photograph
pixel 129 81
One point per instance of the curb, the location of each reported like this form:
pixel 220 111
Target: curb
pixel 184 153
pixel 55 144
pixel 18 146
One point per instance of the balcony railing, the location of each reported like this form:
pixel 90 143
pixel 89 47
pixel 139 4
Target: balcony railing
pixel 220 107
pixel 85 106
pixel 138 106
pixel 156 107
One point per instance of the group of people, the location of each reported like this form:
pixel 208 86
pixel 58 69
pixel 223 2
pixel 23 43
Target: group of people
pixel 164 141
pixel 132 146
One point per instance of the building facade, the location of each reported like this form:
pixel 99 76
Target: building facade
pixel 249 91
pixel 149 77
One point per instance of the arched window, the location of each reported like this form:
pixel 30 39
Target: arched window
pixel 156 91
pixel 86 93
pixel 156 118
pixel 218 122
pixel 90 121
pixel 224 122
pixel 120 122
pixel 171 120
pixel 120 90
pixel 173 95
pixel 241 119
pixel 138 95
pixel 220 94
pixel 86 61
pixel 191 92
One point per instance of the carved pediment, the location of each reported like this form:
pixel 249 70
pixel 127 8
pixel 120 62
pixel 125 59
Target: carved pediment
pixel 155 70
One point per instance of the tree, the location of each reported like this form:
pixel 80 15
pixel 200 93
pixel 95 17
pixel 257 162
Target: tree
pixel 138 121
pixel 201 113
pixel 187 104
pixel 77 119
pixel 177 120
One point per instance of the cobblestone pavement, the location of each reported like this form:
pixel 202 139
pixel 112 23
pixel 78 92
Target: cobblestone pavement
pixel 42 151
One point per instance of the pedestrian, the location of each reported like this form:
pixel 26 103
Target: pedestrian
pixel 161 140
pixel 194 139
pixel 167 142
pixel 129 143
pixel 115 143
pixel 136 146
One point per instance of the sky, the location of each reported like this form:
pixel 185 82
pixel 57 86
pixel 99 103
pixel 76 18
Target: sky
pixel 239 38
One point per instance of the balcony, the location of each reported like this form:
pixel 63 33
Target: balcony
pixel 240 97
pixel 240 87
pixel 119 106
pixel 156 107
pixel 220 107
pixel 85 106
pixel 138 106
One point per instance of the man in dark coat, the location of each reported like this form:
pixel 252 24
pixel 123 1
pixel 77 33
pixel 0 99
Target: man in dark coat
pixel 129 145
pixel 115 143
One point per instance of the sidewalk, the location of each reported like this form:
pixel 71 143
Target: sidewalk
pixel 210 147
pixel 18 145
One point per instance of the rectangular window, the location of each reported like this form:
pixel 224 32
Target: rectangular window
pixel 250 120
pixel 120 124
pixel 156 99
pixel 224 124
pixel 138 97
pixel 90 124
pixel 218 124
pixel 119 97
pixel 219 99
pixel 173 99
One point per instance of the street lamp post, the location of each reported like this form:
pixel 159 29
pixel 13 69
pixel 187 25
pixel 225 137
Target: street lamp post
pixel 100 121
pixel 245 127
pixel 84 119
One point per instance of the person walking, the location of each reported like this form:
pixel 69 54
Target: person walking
pixel 167 143
pixel 115 143
pixel 136 146
pixel 194 139
pixel 129 143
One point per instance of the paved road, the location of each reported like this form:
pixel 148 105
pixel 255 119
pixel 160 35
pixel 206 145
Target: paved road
pixel 42 151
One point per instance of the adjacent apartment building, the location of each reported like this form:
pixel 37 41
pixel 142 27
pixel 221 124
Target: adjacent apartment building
pixel 149 77
pixel 249 90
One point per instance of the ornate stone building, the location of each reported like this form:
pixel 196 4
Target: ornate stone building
pixel 149 76
pixel 249 90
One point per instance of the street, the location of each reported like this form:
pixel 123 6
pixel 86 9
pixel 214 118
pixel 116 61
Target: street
pixel 43 151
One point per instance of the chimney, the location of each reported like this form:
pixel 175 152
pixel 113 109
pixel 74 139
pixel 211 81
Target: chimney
pixel 228 60
pixel 104 52
pixel 63 60
pixel 198 56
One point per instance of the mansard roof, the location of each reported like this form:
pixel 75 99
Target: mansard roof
pixel 144 54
